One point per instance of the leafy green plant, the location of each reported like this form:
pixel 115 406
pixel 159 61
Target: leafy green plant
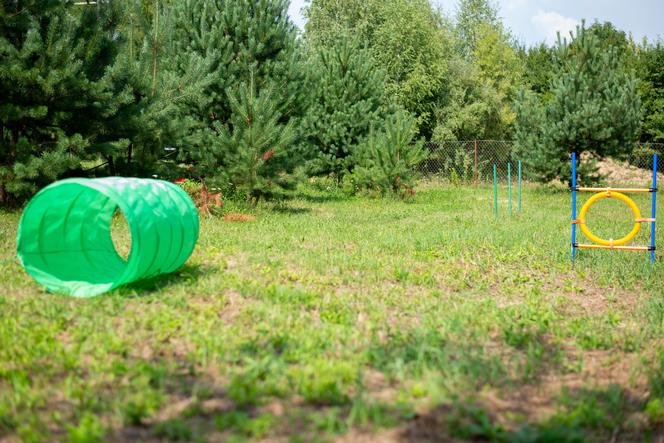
pixel 174 430
pixel 88 430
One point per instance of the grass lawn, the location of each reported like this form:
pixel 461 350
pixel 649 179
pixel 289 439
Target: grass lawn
pixel 351 319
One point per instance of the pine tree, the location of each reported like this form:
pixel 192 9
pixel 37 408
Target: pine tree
pixel 387 160
pixel 164 83
pixel 55 95
pixel 242 39
pixel 255 147
pixel 594 110
pixel 347 93
pixel 651 63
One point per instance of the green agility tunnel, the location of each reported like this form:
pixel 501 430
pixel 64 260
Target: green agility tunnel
pixel 64 236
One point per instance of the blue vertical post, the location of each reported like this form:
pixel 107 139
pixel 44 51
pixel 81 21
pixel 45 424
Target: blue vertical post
pixel 573 205
pixel 509 188
pixel 653 209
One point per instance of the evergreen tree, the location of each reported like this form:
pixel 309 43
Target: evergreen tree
pixel 386 162
pixel 347 98
pixel 164 83
pixel 594 110
pixel 651 67
pixel 54 91
pixel 242 39
pixel 256 148
pixel 538 62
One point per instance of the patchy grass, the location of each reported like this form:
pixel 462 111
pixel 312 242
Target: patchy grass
pixel 353 319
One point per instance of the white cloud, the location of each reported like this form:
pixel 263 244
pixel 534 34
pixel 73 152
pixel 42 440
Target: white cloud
pixel 549 23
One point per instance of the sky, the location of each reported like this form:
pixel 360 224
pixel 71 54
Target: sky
pixel 536 21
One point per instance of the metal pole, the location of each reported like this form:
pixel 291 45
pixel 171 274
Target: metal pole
pixel 509 187
pixel 573 205
pixel 476 171
pixel 519 186
pixel 653 208
pixel 495 191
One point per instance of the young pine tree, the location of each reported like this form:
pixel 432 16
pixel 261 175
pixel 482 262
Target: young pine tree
pixel 164 83
pixel 387 160
pixel 347 99
pixel 55 95
pixel 241 39
pixel 255 146
pixel 594 109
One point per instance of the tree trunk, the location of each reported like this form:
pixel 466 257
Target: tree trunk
pixel 111 165
pixel 130 150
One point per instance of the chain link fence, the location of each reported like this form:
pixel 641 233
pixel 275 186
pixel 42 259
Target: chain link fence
pixel 472 161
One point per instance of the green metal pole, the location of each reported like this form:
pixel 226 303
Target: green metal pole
pixel 495 191
pixel 509 188
pixel 519 185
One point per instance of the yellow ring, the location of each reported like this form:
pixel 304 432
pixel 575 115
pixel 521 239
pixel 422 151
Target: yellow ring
pixel 619 196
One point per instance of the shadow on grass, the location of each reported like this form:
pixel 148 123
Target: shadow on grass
pixel 283 209
pixel 141 288
pixel 321 196
pixel 582 415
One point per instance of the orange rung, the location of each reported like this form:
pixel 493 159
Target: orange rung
pixel 644 220
pixel 644 190
pixel 622 248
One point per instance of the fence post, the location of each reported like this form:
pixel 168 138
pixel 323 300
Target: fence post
pixel 519 186
pixel 475 169
pixel 495 191
pixel 573 252
pixel 509 187
pixel 653 208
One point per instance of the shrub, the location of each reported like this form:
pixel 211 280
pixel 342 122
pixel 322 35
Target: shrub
pixel 386 161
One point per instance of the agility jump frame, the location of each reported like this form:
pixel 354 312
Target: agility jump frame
pixel 619 193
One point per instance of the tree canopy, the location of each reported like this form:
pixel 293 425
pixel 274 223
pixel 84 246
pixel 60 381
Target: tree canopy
pixel 233 94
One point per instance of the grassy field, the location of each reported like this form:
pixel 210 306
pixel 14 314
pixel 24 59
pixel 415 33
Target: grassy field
pixel 332 318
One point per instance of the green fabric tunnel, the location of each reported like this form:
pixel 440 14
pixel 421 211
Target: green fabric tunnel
pixel 64 237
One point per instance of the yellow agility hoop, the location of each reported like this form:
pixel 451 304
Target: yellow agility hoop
pixel 610 194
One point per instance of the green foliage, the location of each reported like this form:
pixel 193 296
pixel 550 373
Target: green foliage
pixel 347 93
pixel 386 161
pixel 485 77
pixel 651 69
pixel 655 411
pixel 88 430
pixel 404 37
pixel 594 110
pixel 331 312
pixel 245 41
pixel 55 94
pixel 174 430
pixel 656 375
pixel 254 146
pixel 471 16
pixel 164 83
pixel 539 65
pixel 240 422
